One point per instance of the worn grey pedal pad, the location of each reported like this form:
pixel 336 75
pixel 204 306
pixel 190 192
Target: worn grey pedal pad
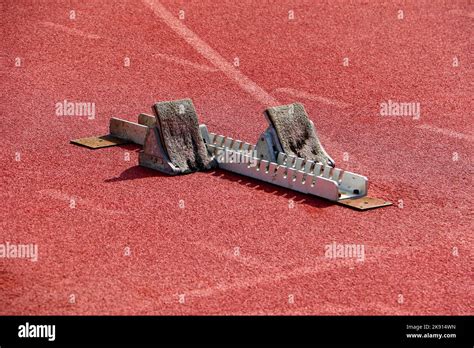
pixel 296 133
pixel 182 140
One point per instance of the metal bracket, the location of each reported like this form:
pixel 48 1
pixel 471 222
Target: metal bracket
pixel 267 147
pixel 154 155
pixel 365 203
pixel 100 142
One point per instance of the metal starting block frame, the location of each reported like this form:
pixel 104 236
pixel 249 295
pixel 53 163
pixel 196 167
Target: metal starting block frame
pixel 287 171
pixel 262 161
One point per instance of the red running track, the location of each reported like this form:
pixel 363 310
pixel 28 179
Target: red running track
pixel 418 253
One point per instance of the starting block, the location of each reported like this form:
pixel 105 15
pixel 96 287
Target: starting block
pixel 288 153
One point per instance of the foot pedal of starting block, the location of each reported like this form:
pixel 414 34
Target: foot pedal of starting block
pixel 290 131
pixel 174 143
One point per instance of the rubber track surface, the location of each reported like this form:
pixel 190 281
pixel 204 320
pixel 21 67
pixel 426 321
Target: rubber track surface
pixel 128 240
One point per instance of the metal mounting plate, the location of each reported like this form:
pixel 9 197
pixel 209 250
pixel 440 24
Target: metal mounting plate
pixel 100 142
pixel 365 203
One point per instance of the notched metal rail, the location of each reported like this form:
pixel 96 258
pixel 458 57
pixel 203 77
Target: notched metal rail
pixel 291 172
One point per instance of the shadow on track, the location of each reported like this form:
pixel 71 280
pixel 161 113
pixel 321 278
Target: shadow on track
pixel 297 197
pixel 136 172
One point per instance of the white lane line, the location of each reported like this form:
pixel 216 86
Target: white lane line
pixel 162 56
pixel 229 254
pixel 462 13
pixel 334 308
pixel 184 62
pixel 321 265
pixel 62 196
pixel 257 92
pixel 210 54
pixel 312 97
pixel 70 31
pixel 447 132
